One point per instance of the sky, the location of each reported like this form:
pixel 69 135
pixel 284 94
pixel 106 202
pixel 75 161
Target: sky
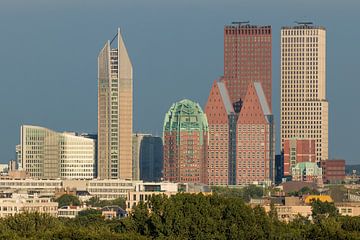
pixel 49 49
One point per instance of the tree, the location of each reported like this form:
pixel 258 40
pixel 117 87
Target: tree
pixel 323 209
pixel 68 200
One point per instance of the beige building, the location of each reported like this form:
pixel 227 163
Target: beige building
pixel 46 154
pixel 304 107
pixel 115 103
pixel 22 203
pixel 137 140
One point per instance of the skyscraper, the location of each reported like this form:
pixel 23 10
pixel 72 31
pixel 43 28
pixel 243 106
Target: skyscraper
pixel 115 103
pixel 255 156
pixel 185 137
pixel 221 117
pixel 304 107
pixel 151 159
pixel 247 58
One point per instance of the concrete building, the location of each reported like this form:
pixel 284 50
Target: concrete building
pixel 185 138
pixel 108 189
pixel 22 203
pixel 304 107
pixel 247 58
pixel 333 171
pixel 136 146
pixel 47 154
pixel 255 156
pixel 297 151
pixel 221 163
pixel 115 110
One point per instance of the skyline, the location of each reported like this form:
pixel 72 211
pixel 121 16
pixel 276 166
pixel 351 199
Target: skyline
pixel 161 63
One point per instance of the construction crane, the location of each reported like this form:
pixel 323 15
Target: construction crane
pixel 304 23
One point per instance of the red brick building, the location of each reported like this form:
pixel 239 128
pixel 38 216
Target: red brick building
pixel 297 151
pixel 219 112
pixel 247 58
pixel 255 138
pixel 185 137
pixel 333 171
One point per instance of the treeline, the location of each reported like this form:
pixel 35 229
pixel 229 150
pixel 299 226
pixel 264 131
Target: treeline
pixel 185 216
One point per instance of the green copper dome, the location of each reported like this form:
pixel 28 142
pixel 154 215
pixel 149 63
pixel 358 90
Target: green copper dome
pixel 185 115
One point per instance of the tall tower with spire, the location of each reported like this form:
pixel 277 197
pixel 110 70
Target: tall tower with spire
pixel 115 110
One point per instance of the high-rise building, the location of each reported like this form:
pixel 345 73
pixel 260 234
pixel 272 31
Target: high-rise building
pixel 255 156
pixel 297 151
pixel 115 103
pixel 185 138
pixel 221 118
pixel 47 154
pixel 247 58
pixel 304 108
pixel 136 146
pixel 151 159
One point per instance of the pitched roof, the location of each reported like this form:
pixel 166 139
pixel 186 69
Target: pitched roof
pixel 225 97
pixel 261 95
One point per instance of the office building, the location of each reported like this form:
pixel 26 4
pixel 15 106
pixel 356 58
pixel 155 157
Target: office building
pixel 333 171
pixel 307 172
pixel 151 159
pixel 115 104
pixel 255 156
pixel 297 151
pixel 304 107
pixel 221 163
pixel 247 58
pixel 279 168
pixel 136 146
pixel 185 137
pixel 47 154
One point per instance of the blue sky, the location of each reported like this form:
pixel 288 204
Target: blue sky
pixel 49 48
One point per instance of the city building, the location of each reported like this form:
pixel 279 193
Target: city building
pixel 108 189
pixel 333 171
pixel 221 163
pixel 307 172
pixel 115 110
pixel 136 146
pixel 279 168
pixel 304 107
pixel 297 151
pixel 185 138
pixel 19 203
pixel 151 159
pixel 247 58
pixel 46 154
pixel 147 157
pixel 70 211
pixel 255 156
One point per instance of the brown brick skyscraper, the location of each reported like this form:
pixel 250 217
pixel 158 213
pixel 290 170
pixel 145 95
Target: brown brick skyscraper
pixel 247 58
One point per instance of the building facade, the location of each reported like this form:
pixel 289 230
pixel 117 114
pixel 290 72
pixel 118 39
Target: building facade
pixel 296 151
pixel 247 58
pixel 47 154
pixel 151 159
pixel 255 156
pixel 333 171
pixel 137 139
pixel 304 107
pixel 307 172
pixel 185 138
pixel 221 163
pixel 115 104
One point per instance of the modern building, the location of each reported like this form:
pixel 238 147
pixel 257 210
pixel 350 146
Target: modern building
pixel 185 139
pixel 279 168
pixel 115 110
pixel 47 154
pixel 304 107
pixel 247 58
pixel 296 151
pixel 108 189
pixel 136 146
pixel 151 159
pixel 255 155
pixel 307 172
pixel 221 163
pixel 147 157
pixel 333 171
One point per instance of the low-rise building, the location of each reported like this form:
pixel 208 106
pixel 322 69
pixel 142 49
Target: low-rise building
pixel 22 203
pixel 349 209
pixel 113 212
pixel 70 211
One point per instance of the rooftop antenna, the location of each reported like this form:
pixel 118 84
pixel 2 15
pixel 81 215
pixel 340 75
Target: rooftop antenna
pixel 241 22
pixel 304 23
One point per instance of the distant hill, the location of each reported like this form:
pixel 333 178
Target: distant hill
pixel 349 168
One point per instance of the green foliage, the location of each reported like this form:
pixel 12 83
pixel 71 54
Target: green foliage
pixel 96 202
pixel 245 193
pixel 304 191
pixel 68 200
pixel 323 209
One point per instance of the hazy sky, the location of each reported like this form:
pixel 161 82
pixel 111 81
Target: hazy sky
pixel 49 48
